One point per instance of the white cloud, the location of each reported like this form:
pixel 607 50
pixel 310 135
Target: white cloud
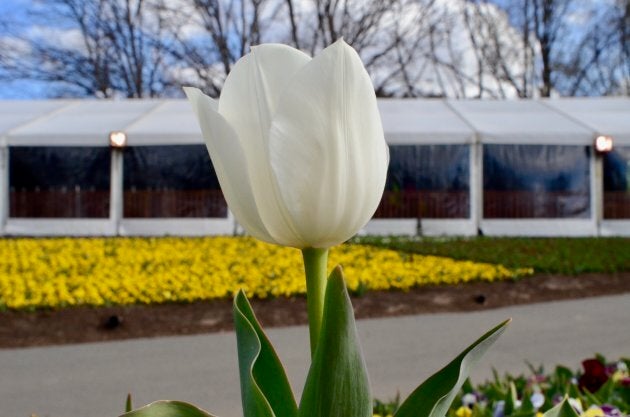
pixel 66 38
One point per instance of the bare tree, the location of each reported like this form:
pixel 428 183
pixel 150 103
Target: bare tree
pixel 411 48
pixel 548 25
pixel 572 47
pixel 504 58
pixel 96 48
pixel 600 64
pixel 206 37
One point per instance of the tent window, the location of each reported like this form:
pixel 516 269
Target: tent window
pixel 535 181
pixel 617 183
pixel 59 182
pixel 171 181
pixel 427 181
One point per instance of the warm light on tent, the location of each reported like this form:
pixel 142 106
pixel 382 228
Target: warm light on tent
pixel 603 144
pixel 118 139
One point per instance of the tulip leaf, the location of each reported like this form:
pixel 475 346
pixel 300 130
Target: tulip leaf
pixel 128 404
pixel 337 383
pixel 434 396
pixel 265 389
pixel 563 409
pixel 168 409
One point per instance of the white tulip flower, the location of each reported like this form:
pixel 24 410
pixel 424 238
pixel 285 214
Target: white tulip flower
pixel 297 144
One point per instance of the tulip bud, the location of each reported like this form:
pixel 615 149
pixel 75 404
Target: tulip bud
pixel 297 144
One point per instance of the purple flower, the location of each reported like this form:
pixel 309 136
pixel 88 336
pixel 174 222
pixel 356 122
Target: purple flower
pixel 611 411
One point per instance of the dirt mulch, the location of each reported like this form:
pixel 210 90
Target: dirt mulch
pixel 85 324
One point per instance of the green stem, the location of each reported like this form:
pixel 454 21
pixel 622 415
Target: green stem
pixel 315 267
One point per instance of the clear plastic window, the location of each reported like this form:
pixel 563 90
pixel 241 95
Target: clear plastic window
pixel 427 181
pixel 59 182
pixel 535 181
pixel 617 183
pixel 171 181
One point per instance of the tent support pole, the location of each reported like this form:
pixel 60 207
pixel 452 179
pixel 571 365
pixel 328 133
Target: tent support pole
pixel 476 183
pixel 597 190
pixel 116 190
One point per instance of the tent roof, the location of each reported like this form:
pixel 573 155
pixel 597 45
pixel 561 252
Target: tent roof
pixel 14 113
pixel 172 120
pixel 605 116
pixel 80 122
pixel 422 121
pixel 405 121
pixel 521 121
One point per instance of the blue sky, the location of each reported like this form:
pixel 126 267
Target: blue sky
pixel 14 7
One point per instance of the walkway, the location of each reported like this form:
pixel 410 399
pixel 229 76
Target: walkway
pixel 92 380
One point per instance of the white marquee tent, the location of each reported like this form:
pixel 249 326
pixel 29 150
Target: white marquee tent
pixel 473 128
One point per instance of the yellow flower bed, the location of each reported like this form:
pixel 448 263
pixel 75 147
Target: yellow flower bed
pixel 105 271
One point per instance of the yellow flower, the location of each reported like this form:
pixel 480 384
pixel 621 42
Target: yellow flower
pixel 463 412
pixel 593 411
pixel 619 375
pixel 64 272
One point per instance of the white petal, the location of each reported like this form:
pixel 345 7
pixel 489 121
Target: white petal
pixel 229 163
pixel 327 147
pixel 248 102
pixel 251 90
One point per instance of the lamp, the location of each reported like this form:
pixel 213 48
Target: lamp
pixel 603 144
pixel 117 139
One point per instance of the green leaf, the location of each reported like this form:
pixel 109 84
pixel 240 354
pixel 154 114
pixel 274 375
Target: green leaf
pixel 265 389
pixel 337 383
pixel 527 406
pixel 434 396
pixel 563 409
pixel 563 374
pixel 605 391
pixel 128 404
pixel 168 409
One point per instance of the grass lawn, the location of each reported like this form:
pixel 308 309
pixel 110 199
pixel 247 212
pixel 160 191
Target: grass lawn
pixel 568 256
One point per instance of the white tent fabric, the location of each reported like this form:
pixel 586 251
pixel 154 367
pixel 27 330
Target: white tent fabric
pixel 423 122
pixel 405 121
pixel 605 116
pixel 408 122
pixel 14 113
pixel 172 120
pixel 521 122
pixel 80 122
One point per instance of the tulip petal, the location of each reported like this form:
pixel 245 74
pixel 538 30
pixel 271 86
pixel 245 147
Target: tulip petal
pixel 228 160
pixel 327 146
pixel 248 102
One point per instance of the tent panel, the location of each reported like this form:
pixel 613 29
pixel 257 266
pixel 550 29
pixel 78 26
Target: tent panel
pixel 607 116
pixel 174 119
pixel 83 123
pixel 176 227
pixel 535 181
pixel 56 182
pixel 616 171
pixel 59 227
pixel 427 181
pixel 424 227
pixel 538 227
pixel 15 113
pixel 521 121
pixel 422 121
pixel 171 181
pixel 615 228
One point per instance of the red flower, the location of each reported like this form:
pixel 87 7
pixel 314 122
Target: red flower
pixel 594 375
